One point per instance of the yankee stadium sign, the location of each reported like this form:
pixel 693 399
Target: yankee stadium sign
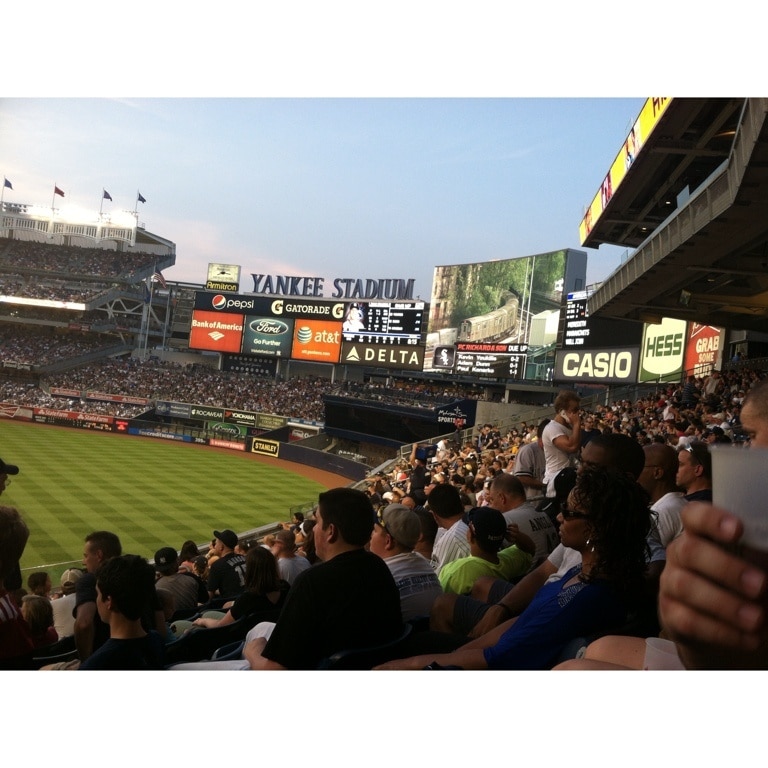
pixel 343 287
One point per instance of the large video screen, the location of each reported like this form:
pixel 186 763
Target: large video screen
pixel 376 334
pixel 494 319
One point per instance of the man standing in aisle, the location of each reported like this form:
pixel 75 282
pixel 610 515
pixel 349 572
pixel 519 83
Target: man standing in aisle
pixel 561 437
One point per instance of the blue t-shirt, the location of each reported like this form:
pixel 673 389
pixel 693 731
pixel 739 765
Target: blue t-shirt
pixel 557 615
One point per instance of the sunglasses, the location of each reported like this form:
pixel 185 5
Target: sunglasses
pixel 572 514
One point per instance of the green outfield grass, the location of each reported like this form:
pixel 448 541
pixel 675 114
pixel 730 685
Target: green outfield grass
pixel 151 493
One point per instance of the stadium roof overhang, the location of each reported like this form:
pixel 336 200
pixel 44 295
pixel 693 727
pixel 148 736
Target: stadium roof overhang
pixel 143 237
pixel 694 205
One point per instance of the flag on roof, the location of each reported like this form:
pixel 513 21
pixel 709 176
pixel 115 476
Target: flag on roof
pixel 140 198
pixel 7 184
pixel 107 196
pixel 157 277
pixel 57 191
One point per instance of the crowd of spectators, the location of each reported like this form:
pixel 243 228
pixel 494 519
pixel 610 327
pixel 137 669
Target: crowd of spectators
pixel 39 347
pixel 52 290
pixel 419 394
pixel 72 260
pixel 158 380
pixel 456 530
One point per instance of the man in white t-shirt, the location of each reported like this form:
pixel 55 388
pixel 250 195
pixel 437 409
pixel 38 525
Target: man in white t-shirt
pixel 63 618
pixel 451 540
pixel 658 480
pixel 561 438
pixel 394 536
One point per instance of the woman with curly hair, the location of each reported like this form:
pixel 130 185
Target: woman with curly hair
pixel 606 519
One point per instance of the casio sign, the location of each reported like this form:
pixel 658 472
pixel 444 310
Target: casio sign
pixel 598 365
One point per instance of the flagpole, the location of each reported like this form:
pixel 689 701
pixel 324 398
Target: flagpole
pixel 101 204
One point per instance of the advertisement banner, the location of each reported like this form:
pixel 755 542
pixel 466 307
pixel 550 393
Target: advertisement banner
pixel 652 111
pixel 267 422
pixel 73 419
pixel 248 418
pixel 11 411
pixel 127 399
pixel 663 351
pixel 408 358
pixel 704 349
pixel 223 277
pixel 316 340
pixel 224 430
pixel 206 412
pixel 231 444
pixel 604 366
pixel 267 336
pixel 176 410
pixel 218 332
pixel 458 415
pixel 265 447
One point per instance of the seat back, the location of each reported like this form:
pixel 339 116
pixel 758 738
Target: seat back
pixel 200 643
pixel 230 651
pixel 367 658
pixel 38 662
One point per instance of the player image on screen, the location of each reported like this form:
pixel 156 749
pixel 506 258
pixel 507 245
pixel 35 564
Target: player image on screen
pixel 354 320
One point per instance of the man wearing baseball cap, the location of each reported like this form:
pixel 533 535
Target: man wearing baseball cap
pixel 63 619
pixel 184 587
pixel 227 574
pixel 5 470
pixel 487 529
pixel 395 533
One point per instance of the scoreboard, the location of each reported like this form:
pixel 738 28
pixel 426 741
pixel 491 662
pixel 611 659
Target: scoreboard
pixel 576 330
pixel 491 360
pixel 385 322
pixel 586 332
pixel 382 334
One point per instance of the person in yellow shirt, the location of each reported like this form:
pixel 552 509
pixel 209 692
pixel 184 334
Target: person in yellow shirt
pixel 486 532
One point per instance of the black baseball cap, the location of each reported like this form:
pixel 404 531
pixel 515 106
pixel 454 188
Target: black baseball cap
pixel 8 469
pixel 226 537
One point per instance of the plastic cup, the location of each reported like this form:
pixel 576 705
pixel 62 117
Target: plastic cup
pixel 740 485
pixel 661 654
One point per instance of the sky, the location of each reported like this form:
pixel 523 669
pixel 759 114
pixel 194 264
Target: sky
pixel 329 187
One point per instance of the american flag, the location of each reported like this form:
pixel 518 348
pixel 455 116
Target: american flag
pixel 157 277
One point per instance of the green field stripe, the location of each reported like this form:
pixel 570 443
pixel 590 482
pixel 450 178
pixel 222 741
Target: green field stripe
pixel 150 493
